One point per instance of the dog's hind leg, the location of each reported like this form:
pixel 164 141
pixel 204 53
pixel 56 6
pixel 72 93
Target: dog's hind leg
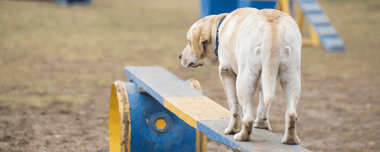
pixel 228 79
pixel 262 117
pixel 246 85
pixel 291 84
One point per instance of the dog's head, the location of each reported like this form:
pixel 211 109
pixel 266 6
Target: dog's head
pixel 201 44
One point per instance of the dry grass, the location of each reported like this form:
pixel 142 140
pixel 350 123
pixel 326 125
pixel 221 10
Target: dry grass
pixel 52 54
pixel 46 48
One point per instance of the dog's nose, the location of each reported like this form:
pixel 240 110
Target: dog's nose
pixel 180 56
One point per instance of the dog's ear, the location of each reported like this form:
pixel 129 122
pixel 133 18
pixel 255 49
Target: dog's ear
pixel 202 34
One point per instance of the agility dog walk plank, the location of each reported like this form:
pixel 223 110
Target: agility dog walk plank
pixel 177 96
pixel 199 111
pixel 260 140
pixel 321 23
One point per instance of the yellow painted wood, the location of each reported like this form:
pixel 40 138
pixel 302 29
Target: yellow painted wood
pixel 279 5
pixel 119 138
pixel 200 142
pixel 285 6
pixel 301 17
pixel 114 123
pixel 126 116
pixel 200 137
pixel 192 109
pixel 314 37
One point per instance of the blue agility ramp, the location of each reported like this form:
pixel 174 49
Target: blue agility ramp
pixel 324 29
pixel 169 99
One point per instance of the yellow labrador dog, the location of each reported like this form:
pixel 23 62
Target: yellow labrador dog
pixel 253 48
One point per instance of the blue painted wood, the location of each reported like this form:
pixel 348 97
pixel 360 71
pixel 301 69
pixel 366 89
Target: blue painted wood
pixel 326 31
pixel 177 136
pixel 72 2
pixel 328 35
pixel 259 4
pixel 335 43
pixel 319 19
pixel 310 7
pixel 160 83
pixel 213 7
pixel 261 140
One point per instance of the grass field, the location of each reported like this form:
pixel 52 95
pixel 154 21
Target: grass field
pixel 57 65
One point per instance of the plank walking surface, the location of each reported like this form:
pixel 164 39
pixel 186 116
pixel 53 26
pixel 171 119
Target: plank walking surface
pixel 199 111
pixel 327 33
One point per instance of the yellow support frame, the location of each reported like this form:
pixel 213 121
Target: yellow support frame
pixel 119 134
pixel 283 5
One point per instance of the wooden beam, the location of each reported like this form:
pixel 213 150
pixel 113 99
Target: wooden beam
pixel 199 111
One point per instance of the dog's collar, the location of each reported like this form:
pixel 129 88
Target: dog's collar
pixel 217 38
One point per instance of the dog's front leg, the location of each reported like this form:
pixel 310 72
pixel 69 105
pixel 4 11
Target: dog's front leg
pixel 228 78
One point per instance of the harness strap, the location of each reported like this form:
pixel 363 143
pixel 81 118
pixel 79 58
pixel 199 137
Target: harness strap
pixel 217 38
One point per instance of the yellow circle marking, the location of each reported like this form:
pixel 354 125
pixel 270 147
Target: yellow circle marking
pixel 160 124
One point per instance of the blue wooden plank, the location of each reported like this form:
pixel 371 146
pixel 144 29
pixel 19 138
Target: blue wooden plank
pixel 318 19
pixel 333 43
pixel 324 31
pixel 261 140
pixel 310 7
pixel 259 4
pixel 213 7
pixel 207 127
pixel 160 83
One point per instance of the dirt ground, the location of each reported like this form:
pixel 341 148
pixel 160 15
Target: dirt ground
pixel 57 65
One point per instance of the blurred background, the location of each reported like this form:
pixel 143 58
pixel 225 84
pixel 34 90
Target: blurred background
pixel 57 65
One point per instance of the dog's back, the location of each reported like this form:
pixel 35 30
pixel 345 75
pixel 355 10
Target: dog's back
pixel 262 39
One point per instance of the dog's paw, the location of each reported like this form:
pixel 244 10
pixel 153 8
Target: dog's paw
pixel 231 131
pixel 290 136
pixel 241 136
pixel 290 140
pixel 262 124
pixel 234 126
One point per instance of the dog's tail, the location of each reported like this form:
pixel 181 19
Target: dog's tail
pixel 271 47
